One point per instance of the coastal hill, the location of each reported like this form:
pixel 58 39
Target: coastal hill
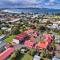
pixel 31 10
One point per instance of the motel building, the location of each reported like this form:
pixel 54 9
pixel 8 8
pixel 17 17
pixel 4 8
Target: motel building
pixel 20 38
pixel 5 54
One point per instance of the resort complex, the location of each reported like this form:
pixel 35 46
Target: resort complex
pixel 29 36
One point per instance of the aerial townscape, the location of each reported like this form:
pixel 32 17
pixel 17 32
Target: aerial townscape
pixel 30 32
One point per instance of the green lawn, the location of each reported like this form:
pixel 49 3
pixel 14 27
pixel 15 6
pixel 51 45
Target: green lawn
pixel 9 39
pixel 11 58
pixel 20 57
pixel 27 57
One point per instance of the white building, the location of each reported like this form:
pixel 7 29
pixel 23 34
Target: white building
pixel 15 41
pixel 14 20
pixel 54 26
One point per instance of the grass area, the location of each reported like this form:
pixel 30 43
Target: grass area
pixel 27 57
pixel 23 57
pixel 11 58
pixel 9 39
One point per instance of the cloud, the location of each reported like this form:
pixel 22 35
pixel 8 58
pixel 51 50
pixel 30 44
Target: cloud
pixel 52 3
pixel 51 0
pixel 29 3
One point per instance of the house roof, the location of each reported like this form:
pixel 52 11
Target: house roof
pixel 4 28
pixel 35 33
pixel 31 38
pixel 6 53
pixel 29 31
pixel 14 20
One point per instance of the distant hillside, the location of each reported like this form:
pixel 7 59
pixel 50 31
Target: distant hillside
pixel 33 10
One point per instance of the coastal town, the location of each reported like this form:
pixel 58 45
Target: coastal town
pixel 28 36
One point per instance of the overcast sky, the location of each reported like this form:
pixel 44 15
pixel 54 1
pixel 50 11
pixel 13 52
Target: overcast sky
pixel 30 3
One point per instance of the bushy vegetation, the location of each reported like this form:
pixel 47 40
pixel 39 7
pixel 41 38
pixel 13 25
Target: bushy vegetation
pixel 10 38
pixel 0 32
pixel 57 31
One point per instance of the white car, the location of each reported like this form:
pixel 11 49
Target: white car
pixel 36 57
pixel 55 58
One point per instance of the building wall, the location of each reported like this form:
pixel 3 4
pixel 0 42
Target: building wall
pixel 16 41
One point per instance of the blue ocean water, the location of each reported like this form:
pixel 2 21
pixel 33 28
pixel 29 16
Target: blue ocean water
pixel 35 10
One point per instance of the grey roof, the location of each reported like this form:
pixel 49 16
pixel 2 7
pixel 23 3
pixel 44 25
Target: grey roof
pixel 2 44
pixel 14 20
pixel 2 36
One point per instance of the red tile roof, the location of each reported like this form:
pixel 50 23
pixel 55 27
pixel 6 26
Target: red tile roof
pixel 48 37
pixel 29 30
pixel 29 43
pixel 20 36
pixel 23 34
pixel 6 53
pixel 41 44
pixel 31 38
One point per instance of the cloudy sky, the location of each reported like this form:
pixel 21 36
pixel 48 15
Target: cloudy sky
pixel 30 3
